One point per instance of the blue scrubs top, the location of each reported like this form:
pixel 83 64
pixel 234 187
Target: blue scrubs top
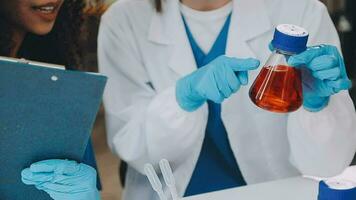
pixel 216 168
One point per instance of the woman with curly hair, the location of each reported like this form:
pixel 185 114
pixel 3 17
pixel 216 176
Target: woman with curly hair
pixel 48 31
pixel 46 36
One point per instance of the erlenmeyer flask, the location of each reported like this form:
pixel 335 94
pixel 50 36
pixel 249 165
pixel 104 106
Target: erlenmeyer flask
pixel 278 87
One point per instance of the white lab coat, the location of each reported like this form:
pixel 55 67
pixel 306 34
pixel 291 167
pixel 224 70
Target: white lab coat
pixel 144 53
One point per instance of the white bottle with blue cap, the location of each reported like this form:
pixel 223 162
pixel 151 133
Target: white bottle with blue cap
pixel 337 190
pixel 278 87
pixel 340 187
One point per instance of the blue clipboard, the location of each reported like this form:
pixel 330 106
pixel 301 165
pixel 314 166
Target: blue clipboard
pixel 46 112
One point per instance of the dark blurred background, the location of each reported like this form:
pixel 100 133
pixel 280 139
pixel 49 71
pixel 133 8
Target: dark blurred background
pixel 343 13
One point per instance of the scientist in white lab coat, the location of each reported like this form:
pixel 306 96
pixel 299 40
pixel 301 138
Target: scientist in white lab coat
pixel 167 78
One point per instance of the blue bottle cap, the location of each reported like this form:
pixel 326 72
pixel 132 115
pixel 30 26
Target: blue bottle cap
pixel 290 38
pixel 337 190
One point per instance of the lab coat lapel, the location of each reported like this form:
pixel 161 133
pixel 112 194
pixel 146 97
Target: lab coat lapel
pixel 167 28
pixel 243 26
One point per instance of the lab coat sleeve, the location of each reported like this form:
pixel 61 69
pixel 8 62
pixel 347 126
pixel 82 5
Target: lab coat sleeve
pixel 323 143
pixel 143 125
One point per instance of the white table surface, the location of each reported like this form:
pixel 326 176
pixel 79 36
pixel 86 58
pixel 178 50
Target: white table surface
pixel 288 189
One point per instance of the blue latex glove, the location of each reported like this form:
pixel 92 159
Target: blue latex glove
pixel 324 74
pixel 63 179
pixel 215 81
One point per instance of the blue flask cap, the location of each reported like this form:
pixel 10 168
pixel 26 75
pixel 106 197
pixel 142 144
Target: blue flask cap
pixel 290 38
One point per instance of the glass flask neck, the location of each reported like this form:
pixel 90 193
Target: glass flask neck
pixel 287 53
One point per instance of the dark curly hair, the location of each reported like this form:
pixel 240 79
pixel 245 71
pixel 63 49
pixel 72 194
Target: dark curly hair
pixel 60 46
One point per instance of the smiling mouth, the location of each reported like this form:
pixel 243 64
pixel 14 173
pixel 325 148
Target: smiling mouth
pixel 47 8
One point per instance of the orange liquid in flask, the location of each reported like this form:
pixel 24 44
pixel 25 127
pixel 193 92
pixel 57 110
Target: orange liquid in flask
pixel 278 89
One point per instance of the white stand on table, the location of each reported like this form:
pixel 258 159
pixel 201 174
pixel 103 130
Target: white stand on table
pixel 288 189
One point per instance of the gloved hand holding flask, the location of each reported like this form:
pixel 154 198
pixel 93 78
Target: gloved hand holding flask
pixel 296 75
pixel 323 74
